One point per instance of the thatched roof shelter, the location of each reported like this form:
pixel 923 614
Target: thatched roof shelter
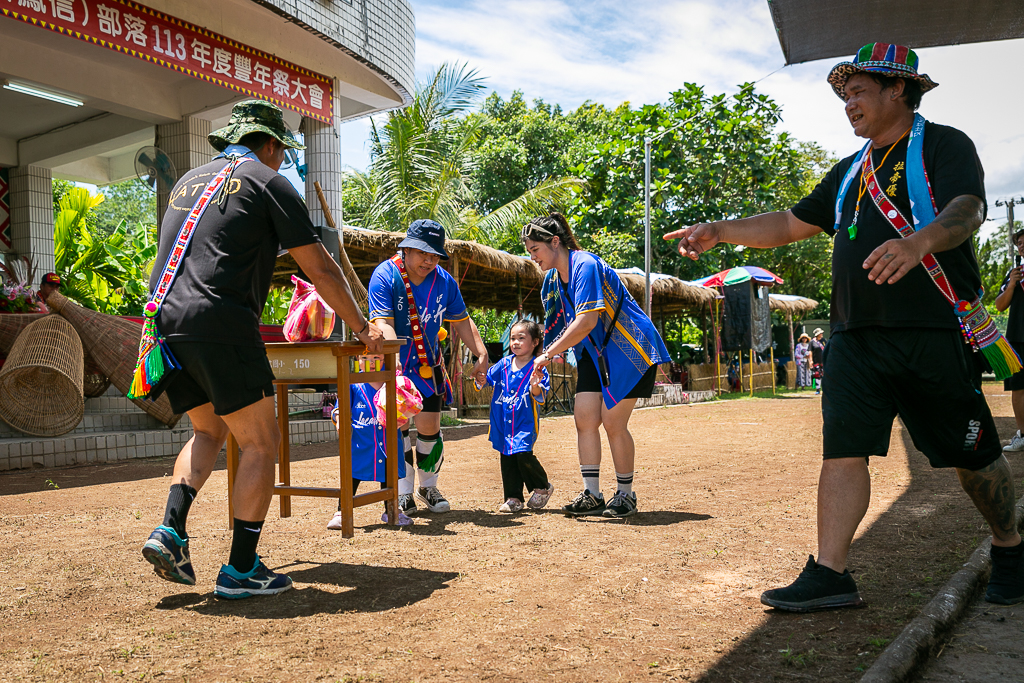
pixel 494 279
pixel 790 304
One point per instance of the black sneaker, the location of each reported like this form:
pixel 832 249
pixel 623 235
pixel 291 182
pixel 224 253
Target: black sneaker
pixel 1006 584
pixel 585 504
pixel 817 588
pixel 406 503
pixel 433 499
pixel 621 505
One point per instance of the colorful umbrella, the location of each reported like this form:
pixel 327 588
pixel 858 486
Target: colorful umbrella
pixel 735 276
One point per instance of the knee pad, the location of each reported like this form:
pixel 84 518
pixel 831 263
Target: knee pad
pixel 430 452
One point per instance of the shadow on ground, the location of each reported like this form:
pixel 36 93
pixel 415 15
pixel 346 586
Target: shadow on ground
pixel 899 564
pixel 324 588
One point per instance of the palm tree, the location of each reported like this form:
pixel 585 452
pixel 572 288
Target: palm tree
pixel 422 167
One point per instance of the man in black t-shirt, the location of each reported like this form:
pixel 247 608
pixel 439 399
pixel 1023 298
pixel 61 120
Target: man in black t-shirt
pixel 211 317
pixel 895 347
pixel 1011 296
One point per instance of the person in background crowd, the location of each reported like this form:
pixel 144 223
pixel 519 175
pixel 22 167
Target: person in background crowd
pixel 1011 297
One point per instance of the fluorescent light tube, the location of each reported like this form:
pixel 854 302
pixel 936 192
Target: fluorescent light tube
pixel 44 94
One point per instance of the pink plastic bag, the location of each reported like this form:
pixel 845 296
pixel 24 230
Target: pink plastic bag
pixel 309 317
pixel 407 396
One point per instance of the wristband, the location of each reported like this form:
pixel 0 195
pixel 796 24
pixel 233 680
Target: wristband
pixel 365 327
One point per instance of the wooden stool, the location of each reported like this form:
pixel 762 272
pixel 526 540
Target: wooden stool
pixel 329 362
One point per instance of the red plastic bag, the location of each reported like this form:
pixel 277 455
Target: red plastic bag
pixel 309 317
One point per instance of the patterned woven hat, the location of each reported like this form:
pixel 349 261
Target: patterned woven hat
pixel 886 59
pixel 253 116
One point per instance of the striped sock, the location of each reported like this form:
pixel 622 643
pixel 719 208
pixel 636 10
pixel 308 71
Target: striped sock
pixel 625 482
pixel 592 478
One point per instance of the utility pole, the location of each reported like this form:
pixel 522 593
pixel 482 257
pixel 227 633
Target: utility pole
pixel 647 226
pixel 1009 204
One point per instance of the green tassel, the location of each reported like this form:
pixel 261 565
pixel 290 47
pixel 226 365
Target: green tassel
pixel 1002 359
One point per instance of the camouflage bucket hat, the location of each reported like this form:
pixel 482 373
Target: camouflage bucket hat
pixel 253 116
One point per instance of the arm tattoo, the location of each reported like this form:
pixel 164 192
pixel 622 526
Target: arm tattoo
pixel 991 490
pixel 961 217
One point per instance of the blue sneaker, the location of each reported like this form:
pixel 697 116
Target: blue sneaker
pixel 258 581
pixel 169 556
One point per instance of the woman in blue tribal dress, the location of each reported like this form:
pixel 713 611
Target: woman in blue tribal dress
pixel 617 348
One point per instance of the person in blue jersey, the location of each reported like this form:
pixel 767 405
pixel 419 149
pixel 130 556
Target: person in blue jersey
pixel 410 297
pixel 587 309
pixel 519 387
pixel 369 448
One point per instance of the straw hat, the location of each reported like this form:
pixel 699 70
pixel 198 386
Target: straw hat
pixel 803 337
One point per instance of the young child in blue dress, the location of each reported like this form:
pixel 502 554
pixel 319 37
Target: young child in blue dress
pixel 369 453
pixel 519 388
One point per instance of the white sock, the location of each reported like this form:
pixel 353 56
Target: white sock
pixel 625 481
pixel 592 479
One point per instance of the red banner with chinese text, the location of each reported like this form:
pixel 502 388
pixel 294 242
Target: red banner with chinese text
pixel 146 34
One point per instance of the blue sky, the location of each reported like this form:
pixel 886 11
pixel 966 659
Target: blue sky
pixel 614 51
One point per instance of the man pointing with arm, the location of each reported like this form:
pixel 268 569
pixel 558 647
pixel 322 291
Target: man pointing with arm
pixel 896 346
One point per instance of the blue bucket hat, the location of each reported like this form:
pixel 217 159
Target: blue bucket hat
pixel 426 235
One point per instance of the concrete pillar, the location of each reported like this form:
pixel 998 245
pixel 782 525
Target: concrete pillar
pixel 186 144
pixel 32 216
pixel 323 163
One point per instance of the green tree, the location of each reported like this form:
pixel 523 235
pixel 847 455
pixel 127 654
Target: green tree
pixel 994 261
pixel 105 272
pixel 128 202
pixel 805 266
pixel 713 157
pixel 422 166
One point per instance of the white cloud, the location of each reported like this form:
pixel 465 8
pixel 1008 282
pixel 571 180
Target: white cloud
pixel 611 51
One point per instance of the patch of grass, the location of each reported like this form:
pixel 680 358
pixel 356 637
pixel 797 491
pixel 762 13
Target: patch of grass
pixel 52 484
pixel 448 421
pixel 796 659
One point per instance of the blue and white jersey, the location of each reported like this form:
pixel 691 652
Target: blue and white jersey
pixel 438 300
pixel 634 345
pixel 514 418
pixel 369 451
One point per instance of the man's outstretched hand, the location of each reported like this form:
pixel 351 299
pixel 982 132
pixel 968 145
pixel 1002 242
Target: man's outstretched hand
pixel 694 240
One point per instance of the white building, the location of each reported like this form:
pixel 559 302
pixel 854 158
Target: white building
pixel 87 83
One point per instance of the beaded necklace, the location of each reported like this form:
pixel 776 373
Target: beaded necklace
pixel 864 178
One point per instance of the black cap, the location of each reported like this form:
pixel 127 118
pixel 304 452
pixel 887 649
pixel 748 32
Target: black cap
pixel 426 235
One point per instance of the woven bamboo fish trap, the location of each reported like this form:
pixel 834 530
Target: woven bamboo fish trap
pixel 11 325
pixel 94 382
pixel 113 344
pixel 41 382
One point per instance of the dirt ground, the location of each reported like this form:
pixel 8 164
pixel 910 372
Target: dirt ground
pixel 727 496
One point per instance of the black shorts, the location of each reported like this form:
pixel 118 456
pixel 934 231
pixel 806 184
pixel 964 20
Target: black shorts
pixel 1015 382
pixel 432 404
pixel 228 376
pixel 588 379
pixel 930 378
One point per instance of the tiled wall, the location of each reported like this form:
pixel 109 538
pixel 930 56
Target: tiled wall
pixel 187 146
pixel 323 164
pixel 380 32
pixel 32 216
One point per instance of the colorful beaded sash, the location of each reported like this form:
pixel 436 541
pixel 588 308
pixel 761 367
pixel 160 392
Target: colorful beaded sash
pixel 155 358
pixel 977 326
